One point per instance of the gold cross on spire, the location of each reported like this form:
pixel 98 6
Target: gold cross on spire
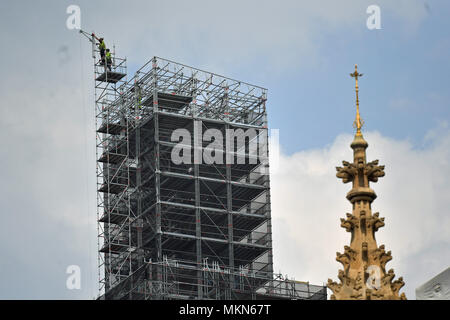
pixel 358 123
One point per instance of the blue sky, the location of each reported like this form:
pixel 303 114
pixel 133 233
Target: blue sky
pixel 403 93
pixel 301 51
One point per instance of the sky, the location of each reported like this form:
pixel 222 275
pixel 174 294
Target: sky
pixel 302 52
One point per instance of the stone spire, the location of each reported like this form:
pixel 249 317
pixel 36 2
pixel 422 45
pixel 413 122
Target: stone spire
pixel 358 121
pixel 364 276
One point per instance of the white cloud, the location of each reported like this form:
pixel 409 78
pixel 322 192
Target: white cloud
pixel 308 201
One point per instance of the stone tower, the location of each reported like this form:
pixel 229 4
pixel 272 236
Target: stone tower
pixel 364 276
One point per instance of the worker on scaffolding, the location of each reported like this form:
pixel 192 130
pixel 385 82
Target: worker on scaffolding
pixel 138 96
pixel 139 100
pixel 108 59
pixel 102 47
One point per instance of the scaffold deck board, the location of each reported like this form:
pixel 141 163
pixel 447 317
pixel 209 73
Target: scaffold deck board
pixel 112 188
pixel 109 157
pixel 111 128
pixel 110 76
pixel 114 218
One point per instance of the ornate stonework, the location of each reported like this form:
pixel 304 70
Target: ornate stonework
pixel 364 276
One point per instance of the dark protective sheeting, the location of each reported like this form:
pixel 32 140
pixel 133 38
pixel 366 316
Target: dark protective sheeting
pixel 172 100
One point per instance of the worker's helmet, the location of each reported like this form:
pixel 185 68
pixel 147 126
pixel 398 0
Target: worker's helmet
pixel 101 39
pixel 107 50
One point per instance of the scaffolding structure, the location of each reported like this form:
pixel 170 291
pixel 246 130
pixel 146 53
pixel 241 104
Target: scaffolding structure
pixel 192 230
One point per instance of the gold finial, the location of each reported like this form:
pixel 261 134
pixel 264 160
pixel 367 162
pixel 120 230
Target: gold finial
pixel 358 123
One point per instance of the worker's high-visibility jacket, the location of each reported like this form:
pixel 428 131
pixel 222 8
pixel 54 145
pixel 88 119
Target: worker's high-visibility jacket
pixel 102 45
pixel 108 57
pixel 139 101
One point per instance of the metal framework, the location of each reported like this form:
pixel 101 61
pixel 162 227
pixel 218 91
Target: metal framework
pixel 188 230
